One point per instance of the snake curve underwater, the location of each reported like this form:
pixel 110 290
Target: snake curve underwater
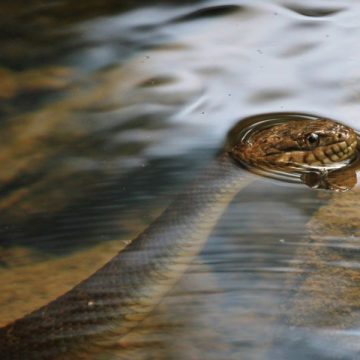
pixel 114 299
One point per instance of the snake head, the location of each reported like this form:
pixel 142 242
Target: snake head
pixel 297 143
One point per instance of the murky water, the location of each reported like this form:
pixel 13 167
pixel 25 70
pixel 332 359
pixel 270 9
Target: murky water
pixel 108 111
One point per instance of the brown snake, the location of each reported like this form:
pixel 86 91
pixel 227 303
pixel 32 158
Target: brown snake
pixel 310 142
pixel 115 298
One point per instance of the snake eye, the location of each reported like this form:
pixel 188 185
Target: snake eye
pixel 312 139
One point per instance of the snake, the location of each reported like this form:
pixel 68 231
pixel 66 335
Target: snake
pixel 118 296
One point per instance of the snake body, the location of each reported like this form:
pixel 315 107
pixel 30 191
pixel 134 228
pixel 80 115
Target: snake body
pixel 116 297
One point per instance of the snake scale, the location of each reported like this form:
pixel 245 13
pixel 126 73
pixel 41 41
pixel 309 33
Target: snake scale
pixel 113 300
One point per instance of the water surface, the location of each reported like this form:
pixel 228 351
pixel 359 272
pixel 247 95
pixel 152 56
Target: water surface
pixel 107 111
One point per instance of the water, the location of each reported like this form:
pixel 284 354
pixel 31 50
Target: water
pixel 107 111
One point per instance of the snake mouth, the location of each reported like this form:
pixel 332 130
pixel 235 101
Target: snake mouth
pixel 321 156
pixel 328 155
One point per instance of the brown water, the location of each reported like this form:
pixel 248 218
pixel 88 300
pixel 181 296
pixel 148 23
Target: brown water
pixel 107 111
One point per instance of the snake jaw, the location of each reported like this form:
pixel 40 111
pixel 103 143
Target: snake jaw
pixel 320 156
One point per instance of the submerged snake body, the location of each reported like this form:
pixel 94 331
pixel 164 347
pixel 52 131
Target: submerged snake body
pixel 119 295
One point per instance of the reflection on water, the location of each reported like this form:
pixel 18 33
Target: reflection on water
pixel 108 109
